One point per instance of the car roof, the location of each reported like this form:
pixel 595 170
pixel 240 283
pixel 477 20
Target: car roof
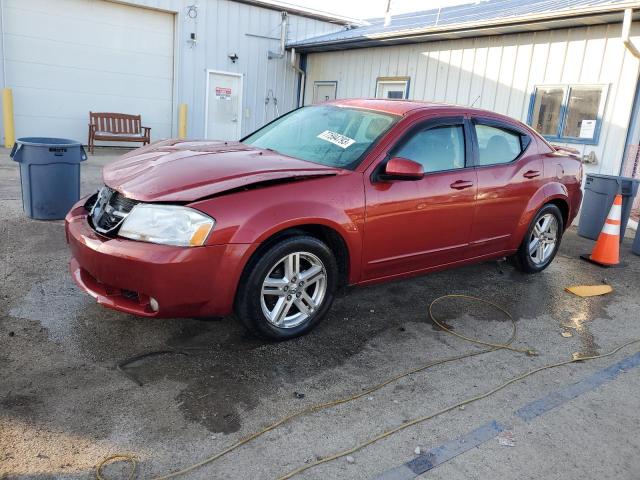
pixel 402 107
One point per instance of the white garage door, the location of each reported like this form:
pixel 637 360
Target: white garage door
pixel 65 58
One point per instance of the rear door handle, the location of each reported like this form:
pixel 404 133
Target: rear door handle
pixel 531 174
pixel 461 184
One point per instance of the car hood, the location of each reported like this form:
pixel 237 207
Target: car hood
pixel 181 171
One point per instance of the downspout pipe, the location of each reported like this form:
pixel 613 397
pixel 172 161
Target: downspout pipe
pixel 303 77
pixel 626 33
pixel 635 111
pixel 283 38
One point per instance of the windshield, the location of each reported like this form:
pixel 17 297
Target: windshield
pixel 329 135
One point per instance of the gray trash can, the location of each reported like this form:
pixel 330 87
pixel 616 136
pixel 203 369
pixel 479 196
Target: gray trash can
pixel 49 175
pixel 599 193
pixel 635 248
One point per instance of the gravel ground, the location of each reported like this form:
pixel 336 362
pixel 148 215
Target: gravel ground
pixel 64 405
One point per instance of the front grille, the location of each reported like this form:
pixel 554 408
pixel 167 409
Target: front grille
pixel 108 210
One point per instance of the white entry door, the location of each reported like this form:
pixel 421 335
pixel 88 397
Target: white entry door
pixel 223 106
pixel 324 91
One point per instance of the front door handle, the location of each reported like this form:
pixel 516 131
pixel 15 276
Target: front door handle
pixel 531 174
pixel 461 184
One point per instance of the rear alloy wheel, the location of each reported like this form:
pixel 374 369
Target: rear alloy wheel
pixel 289 289
pixel 542 240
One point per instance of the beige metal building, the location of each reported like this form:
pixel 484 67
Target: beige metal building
pixel 64 58
pixel 569 69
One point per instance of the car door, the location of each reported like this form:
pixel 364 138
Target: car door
pixel 509 172
pixel 414 225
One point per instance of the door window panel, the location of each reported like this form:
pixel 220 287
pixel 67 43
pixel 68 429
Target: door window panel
pixel 436 149
pixel 496 145
pixel 547 109
pixel 324 91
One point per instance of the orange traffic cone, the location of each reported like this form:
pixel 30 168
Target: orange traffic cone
pixel 606 253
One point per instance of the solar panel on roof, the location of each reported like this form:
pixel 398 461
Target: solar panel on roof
pixel 456 15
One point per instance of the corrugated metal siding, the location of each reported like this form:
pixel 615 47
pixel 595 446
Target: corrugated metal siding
pixel 499 73
pixel 221 28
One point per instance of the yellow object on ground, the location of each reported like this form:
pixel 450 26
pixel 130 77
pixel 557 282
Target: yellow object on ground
pixel 590 290
pixel 7 118
pixel 182 120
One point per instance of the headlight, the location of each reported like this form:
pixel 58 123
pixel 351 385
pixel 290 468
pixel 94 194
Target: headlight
pixel 167 224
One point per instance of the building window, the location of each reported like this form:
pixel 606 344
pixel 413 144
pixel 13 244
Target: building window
pixel 568 113
pixel 392 87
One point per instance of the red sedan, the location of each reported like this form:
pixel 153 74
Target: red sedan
pixel 351 192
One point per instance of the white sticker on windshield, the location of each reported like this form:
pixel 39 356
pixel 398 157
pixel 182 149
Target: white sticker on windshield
pixel 336 139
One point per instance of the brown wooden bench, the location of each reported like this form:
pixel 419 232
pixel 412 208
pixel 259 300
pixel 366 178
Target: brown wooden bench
pixel 116 127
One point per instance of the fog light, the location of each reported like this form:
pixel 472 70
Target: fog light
pixel 153 303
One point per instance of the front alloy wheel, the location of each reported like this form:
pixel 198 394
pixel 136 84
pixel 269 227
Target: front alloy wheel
pixel 287 288
pixel 293 289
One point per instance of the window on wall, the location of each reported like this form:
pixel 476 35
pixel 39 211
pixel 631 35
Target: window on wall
pixel 392 87
pixel 568 113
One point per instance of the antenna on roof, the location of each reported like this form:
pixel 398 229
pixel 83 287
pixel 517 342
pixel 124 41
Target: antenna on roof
pixel 474 102
pixel 387 15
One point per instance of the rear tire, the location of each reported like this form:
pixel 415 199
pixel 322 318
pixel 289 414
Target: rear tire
pixel 289 289
pixel 541 242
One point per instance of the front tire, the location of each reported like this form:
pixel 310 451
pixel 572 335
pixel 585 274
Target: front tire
pixel 542 240
pixel 289 289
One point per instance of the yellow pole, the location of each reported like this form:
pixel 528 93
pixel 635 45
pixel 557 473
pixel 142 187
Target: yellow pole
pixel 182 120
pixel 7 118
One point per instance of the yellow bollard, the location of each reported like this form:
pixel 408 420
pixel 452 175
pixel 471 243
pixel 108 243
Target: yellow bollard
pixel 7 118
pixel 182 120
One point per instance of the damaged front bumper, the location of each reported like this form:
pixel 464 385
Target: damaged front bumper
pixel 126 275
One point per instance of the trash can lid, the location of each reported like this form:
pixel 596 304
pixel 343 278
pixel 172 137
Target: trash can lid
pixel 47 141
pixel 613 177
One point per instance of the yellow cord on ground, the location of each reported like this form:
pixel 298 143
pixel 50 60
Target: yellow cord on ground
pixel 448 409
pixel 506 345
pixel 322 406
pixel 120 456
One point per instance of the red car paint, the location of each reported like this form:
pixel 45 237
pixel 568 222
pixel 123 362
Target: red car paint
pixel 390 229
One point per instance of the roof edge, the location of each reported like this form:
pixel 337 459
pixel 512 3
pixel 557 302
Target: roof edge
pixel 304 12
pixel 407 34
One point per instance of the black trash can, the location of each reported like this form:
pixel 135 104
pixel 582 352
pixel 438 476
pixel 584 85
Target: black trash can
pixel 599 193
pixel 49 175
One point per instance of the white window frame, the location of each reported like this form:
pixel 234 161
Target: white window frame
pixel 404 81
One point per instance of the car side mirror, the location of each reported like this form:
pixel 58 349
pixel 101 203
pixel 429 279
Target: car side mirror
pixel 403 169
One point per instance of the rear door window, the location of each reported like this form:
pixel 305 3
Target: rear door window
pixel 498 145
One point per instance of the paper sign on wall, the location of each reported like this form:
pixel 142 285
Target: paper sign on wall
pixel 587 128
pixel 223 93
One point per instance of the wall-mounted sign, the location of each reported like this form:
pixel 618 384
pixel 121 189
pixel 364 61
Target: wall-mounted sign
pixel 587 128
pixel 223 93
